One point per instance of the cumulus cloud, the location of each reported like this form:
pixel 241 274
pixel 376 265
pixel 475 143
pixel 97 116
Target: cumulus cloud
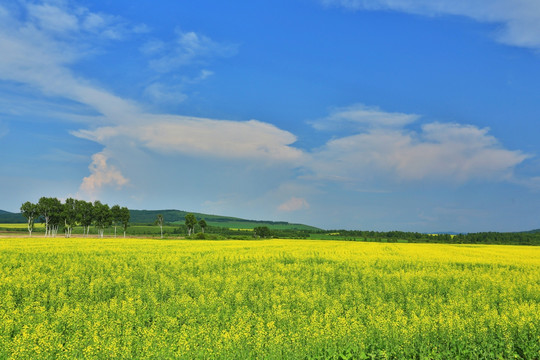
pixel 448 152
pixel 102 174
pixel 294 204
pixel 519 20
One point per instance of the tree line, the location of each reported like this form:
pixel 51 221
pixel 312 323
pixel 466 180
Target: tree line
pixel 72 212
pixel 507 238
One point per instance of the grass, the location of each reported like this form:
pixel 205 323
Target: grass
pixel 148 299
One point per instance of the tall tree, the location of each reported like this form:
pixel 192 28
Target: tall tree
pixel 70 214
pixel 44 208
pixel 56 216
pixel 191 221
pixel 30 212
pixel 125 219
pixel 116 213
pixel 202 224
pixel 50 209
pixel 102 217
pixel 159 222
pixel 86 215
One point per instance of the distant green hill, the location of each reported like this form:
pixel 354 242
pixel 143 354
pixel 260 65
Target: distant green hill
pixel 178 217
pixel 7 217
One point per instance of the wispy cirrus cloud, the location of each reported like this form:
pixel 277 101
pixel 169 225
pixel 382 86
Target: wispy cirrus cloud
pixel 39 53
pixel 188 48
pixel 64 19
pixel 360 116
pixel 174 92
pixel 519 20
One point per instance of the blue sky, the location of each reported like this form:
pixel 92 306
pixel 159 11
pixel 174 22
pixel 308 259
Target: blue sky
pixel 414 115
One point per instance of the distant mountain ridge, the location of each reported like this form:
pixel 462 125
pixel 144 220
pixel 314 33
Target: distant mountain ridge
pixel 178 217
pixel 7 217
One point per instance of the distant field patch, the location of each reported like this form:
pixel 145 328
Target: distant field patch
pixel 21 226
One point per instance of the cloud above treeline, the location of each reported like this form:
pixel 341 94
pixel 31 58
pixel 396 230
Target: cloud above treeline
pixel 101 174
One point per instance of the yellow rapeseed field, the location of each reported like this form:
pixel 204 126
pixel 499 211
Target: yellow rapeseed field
pixel 275 299
pixel 21 226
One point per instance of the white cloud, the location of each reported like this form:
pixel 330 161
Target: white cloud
pixel 35 54
pixel 52 18
pixel 519 19
pixel 102 174
pixel 163 93
pixel 204 137
pixel 172 91
pixel 294 204
pixel 359 116
pixel 189 48
pixel 447 152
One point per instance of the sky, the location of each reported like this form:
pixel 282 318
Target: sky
pixel 412 115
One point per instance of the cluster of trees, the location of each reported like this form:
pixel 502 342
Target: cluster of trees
pixel 72 212
pixel 190 221
pixel 515 238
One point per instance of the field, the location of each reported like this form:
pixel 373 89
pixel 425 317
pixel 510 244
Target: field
pixel 153 299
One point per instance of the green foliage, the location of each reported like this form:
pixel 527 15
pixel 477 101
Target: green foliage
pixel 190 222
pixel 86 214
pixel 31 212
pixel 202 224
pixel 102 216
pixel 515 238
pixel 262 232
pixel 70 214
pixel 125 216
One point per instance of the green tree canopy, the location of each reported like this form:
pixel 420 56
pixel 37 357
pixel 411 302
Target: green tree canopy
pixel 102 217
pixel 202 224
pixel 30 212
pixel 125 216
pixel 191 221
pixel 262 231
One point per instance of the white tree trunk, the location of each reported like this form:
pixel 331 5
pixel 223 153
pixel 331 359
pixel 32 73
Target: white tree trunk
pixel 30 223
